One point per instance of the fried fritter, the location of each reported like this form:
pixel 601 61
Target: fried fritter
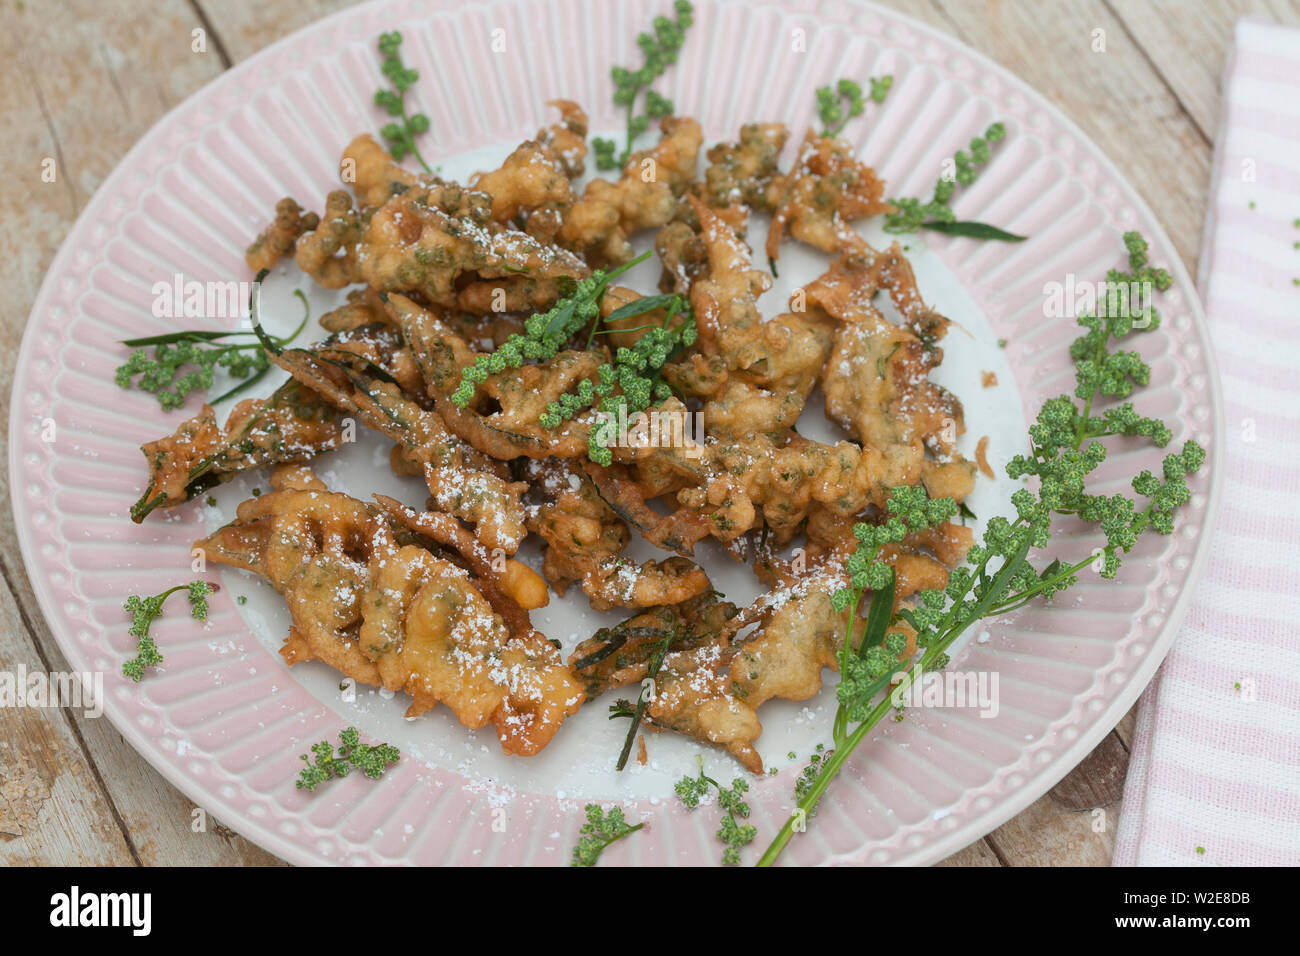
pixel 599 223
pixel 427 238
pixel 690 694
pixel 368 600
pixel 742 172
pixel 432 634
pixel 535 178
pixel 462 482
pixel 373 174
pixel 292 424
pixel 581 531
pixel 280 237
pixel 330 253
pixel 314 548
pixel 825 190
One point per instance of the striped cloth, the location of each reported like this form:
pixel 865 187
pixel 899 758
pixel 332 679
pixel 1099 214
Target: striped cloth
pixel 1216 766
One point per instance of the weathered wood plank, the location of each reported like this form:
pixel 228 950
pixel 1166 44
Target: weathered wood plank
pixel 83 80
pixel 1188 44
pixel 53 809
pixel 1048 834
pixel 979 853
pixel 1114 95
pixel 245 26
pixel 1098 781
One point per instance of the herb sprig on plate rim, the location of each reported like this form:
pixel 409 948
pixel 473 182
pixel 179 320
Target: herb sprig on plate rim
pixel 999 574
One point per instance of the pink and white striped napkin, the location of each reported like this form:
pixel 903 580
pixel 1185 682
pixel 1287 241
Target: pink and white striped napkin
pixel 1216 758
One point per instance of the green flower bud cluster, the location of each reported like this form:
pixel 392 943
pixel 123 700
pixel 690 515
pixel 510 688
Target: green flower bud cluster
pixel 400 134
pixel 659 50
pixel 845 100
pixel 544 333
pixel 911 214
pixel 628 385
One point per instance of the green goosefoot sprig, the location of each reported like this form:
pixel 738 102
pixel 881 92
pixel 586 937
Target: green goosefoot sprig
pixel 734 835
pixel 402 131
pixel 145 610
pixel 912 215
pixel 632 382
pixel 600 830
pixel 371 759
pixel 545 333
pixel 161 373
pixel 659 50
pixel 999 575
pixel 845 100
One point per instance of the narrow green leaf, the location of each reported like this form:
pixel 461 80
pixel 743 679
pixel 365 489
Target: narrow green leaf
pixel 972 230
pixel 641 306
pixel 879 616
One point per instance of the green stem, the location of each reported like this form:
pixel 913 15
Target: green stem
pixel 642 702
pixel 950 632
pixel 410 137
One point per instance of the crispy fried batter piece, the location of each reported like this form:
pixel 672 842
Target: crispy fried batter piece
pixel 599 223
pixel 691 696
pixel 753 384
pixel 725 300
pixel 369 600
pixel 292 424
pixel 539 690
pixel 567 138
pixel 801 635
pixel 520 293
pixel 502 421
pixel 825 190
pixel 427 238
pixel 585 536
pixel 373 173
pixel 742 172
pixel 432 634
pixel 511 587
pixel 877 380
pixel 364 307
pixel 279 238
pixel 535 178
pixel 800 631
pixel 314 548
pixel 581 531
pixel 694 697
pixel 352 375
pixel 330 253
pixel 619 583
pixel 682 254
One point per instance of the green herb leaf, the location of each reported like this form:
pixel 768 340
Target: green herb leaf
pixel 734 835
pixel 371 760
pixel 163 373
pixel 659 50
pixel 972 230
pixel 400 133
pixel 911 214
pixel 144 611
pixel 838 104
pixel 600 830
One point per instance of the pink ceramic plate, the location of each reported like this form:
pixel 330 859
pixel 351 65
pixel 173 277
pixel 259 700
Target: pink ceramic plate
pixel 225 721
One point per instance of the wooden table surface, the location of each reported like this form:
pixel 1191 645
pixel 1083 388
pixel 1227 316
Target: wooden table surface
pixel 83 79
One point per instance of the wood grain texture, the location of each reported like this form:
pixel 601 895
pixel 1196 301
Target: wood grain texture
pixel 83 79
pixel 1193 35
